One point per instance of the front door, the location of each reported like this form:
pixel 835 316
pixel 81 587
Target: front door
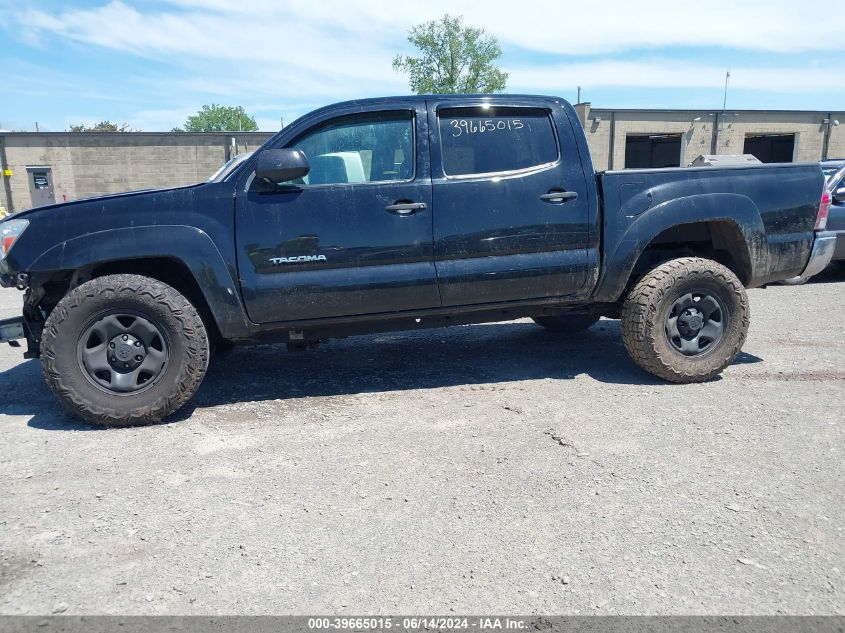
pixel 511 208
pixel 354 236
pixel 40 186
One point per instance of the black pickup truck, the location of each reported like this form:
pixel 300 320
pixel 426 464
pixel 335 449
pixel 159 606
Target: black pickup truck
pixel 396 214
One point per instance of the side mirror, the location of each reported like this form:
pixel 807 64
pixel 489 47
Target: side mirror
pixel 281 165
pixel 839 195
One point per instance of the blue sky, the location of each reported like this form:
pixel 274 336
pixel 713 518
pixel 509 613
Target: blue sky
pixel 151 64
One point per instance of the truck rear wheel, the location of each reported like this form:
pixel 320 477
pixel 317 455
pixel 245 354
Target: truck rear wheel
pixel 124 350
pixel 686 320
pixel 567 323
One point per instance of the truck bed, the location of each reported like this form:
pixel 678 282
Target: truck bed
pixel 774 207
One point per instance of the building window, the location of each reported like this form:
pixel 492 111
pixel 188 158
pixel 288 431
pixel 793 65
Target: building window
pixel 494 140
pixel 770 148
pixel 652 150
pixel 39 180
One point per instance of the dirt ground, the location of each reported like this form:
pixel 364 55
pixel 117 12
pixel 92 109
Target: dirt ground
pixel 483 469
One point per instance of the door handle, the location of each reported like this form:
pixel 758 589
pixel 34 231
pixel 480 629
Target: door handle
pixel 405 208
pixel 559 196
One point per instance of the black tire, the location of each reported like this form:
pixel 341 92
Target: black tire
pixel 567 323
pixel 93 311
pixel 651 332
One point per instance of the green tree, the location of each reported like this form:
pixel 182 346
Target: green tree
pixel 102 126
pixel 218 118
pixel 454 59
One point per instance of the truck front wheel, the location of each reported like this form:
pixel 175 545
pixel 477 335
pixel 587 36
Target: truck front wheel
pixel 686 320
pixel 122 350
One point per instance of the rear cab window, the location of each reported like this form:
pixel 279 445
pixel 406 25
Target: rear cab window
pixel 490 140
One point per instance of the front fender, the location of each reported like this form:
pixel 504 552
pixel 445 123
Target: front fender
pixel 626 237
pixel 190 245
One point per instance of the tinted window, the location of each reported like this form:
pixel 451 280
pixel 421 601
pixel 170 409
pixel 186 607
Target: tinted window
pixel 360 148
pixel 481 141
pixel 39 178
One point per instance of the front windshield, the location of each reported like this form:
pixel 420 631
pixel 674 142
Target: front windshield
pixel 228 167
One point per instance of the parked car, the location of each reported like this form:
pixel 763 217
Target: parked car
pixel 831 166
pixel 834 173
pixel 402 213
pixel 836 218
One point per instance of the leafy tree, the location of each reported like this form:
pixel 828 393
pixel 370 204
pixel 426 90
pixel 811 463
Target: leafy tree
pixel 218 118
pixel 454 59
pixel 102 126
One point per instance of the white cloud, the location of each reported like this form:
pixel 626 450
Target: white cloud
pixel 612 26
pixel 667 73
pixel 299 54
pixel 351 32
pixel 254 39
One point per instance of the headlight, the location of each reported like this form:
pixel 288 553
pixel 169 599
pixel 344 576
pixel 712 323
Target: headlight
pixel 10 231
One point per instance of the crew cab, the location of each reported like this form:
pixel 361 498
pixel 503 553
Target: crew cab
pixel 395 214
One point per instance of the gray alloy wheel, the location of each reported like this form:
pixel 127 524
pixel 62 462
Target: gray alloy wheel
pixel 696 322
pixel 123 353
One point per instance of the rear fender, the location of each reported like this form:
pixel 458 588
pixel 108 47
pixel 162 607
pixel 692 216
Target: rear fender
pixel 627 237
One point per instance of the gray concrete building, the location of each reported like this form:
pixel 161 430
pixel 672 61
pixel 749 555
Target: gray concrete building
pixel 622 139
pixel 39 168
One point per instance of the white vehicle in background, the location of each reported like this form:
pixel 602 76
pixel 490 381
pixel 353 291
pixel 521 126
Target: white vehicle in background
pixel 831 167
pixel 834 176
pixel 834 171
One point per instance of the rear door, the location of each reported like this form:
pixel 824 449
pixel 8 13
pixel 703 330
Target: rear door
pixel 511 207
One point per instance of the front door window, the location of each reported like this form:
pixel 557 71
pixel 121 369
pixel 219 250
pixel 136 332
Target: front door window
pixel 360 149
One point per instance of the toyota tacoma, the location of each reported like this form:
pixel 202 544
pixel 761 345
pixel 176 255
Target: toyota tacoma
pixel 397 214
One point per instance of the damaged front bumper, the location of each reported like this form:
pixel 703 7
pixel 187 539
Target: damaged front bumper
pixel 19 281
pixel 12 330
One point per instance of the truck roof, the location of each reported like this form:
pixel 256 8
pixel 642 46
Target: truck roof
pixel 371 101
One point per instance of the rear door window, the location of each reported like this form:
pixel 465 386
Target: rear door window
pixel 492 140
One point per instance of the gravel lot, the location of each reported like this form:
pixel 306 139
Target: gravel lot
pixel 491 468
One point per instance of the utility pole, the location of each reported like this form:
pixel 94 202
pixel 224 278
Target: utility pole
pixel 714 143
pixel 578 100
pixel 829 124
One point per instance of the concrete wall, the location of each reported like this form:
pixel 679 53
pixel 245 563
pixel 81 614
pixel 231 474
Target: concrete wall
pixel 90 164
pixel 697 137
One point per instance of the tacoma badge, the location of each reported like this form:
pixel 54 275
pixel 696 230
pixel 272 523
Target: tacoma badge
pixel 277 261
